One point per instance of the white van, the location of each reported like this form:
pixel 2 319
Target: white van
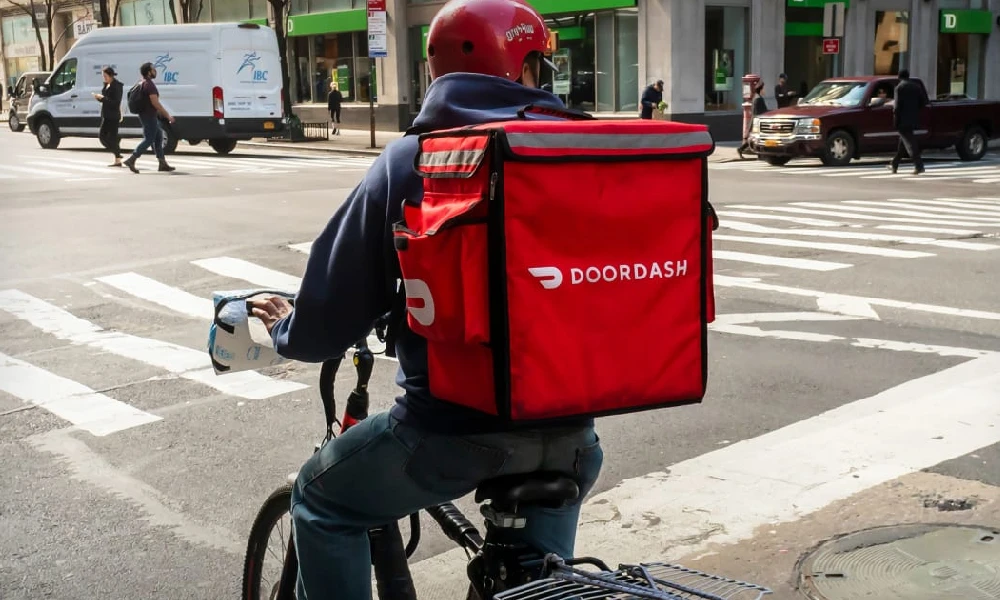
pixel 221 81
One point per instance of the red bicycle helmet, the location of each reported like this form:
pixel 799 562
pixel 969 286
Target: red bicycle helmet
pixel 492 37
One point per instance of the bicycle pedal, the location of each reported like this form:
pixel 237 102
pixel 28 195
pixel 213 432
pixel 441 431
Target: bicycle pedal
pixel 503 520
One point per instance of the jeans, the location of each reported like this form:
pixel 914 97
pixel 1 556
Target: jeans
pixel 152 135
pixel 381 470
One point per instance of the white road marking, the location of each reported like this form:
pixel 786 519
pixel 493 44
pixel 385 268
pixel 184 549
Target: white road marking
pixel 80 179
pixel 765 217
pixel 305 247
pixel 835 212
pixel 31 171
pixel 851 235
pixel 956 211
pixel 726 495
pixel 165 295
pixel 920 229
pixel 236 268
pixel 756 284
pixel 828 246
pixel 889 211
pixel 185 362
pixel 71 166
pixel 975 205
pixel 779 261
pixel 69 400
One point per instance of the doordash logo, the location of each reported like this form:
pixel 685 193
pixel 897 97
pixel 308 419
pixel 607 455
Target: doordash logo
pixel 551 278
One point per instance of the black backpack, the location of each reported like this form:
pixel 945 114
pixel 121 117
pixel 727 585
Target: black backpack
pixel 137 100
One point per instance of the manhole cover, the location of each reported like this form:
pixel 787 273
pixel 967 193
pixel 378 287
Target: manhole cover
pixel 908 562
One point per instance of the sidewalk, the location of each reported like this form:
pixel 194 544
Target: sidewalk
pixel 358 142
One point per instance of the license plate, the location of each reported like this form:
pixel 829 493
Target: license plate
pixel 268 125
pixel 770 143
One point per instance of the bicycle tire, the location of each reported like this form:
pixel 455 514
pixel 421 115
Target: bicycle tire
pixel 276 506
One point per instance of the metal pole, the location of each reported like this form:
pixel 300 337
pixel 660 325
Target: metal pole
pixel 371 97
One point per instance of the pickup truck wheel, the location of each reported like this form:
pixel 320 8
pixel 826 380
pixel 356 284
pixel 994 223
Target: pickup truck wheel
pixel 169 140
pixel 14 122
pixel 973 144
pixel 839 149
pixel 777 161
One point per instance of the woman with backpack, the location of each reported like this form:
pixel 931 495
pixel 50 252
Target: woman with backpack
pixel 111 114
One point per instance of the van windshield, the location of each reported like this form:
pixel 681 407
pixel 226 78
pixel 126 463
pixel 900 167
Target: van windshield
pixel 836 93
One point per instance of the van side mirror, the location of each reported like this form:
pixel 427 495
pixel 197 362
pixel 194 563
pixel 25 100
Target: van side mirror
pixel 42 90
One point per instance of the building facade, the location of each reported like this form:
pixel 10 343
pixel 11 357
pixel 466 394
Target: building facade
pixel 611 50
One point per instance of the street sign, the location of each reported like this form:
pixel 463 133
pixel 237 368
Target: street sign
pixel 377 30
pixel 834 15
pixel 831 46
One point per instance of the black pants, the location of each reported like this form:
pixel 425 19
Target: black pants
pixel 335 115
pixel 109 135
pixel 907 147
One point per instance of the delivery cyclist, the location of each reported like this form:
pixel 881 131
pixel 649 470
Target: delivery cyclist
pixel 486 58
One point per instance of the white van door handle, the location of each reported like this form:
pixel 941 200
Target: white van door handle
pixel 262 97
pixel 73 96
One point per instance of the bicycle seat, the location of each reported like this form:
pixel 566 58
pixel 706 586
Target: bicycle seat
pixel 545 488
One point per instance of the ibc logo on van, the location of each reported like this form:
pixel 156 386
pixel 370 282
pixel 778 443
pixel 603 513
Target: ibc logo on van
pixel 256 75
pixel 162 66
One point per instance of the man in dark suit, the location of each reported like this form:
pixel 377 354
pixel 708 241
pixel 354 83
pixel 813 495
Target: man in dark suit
pixel 651 99
pixel 910 100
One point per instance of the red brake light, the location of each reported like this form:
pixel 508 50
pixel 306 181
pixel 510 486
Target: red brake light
pixel 218 110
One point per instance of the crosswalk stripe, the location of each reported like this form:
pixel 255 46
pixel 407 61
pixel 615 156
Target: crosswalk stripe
pixel 798 220
pixel 990 180
pixel 236 268
pixel 851 235
pixel 857 216
pixel 958 170
pixel 920 229
pixel 779 261
pixel 182 361
pixel 19 170
pixel 950 203
pixel 856 172
pixel 830 247
pixel 958 212
pixel 68 165
pixel 305 247
pixel 167 296
pixel 889 211
pixel 188 163
pixel 69 400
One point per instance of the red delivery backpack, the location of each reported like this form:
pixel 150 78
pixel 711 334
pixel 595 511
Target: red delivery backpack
pixel 562 268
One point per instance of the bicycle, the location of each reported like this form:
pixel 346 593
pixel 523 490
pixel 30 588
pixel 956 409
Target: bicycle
pixel 500 567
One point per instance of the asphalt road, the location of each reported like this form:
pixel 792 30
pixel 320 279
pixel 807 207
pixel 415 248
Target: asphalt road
pixel 809 321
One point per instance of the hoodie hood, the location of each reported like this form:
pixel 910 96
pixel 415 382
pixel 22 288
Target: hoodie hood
pixel 460 99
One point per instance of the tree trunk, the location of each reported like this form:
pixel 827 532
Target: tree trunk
pixel 105 14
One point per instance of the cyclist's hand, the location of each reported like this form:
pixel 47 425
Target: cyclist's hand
pixel 270 309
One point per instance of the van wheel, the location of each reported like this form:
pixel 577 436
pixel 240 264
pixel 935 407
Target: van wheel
pixel 224 146
pixel 14 123
pixel 170 140
pixel 973 144
pixel 47 134
pixel 839 149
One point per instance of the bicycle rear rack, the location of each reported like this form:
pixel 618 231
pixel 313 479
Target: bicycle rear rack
pixel 653 581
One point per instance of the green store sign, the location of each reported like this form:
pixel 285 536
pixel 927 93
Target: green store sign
pixel 966 21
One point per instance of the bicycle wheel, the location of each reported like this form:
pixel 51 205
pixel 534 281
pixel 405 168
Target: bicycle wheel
pixel 270 518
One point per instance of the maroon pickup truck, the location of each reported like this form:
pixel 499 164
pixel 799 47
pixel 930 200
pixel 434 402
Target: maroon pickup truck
pixel 846 117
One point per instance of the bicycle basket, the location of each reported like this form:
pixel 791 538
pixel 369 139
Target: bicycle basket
pixel 653 581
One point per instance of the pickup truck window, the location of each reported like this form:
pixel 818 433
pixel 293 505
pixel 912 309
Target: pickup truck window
pixel 836 93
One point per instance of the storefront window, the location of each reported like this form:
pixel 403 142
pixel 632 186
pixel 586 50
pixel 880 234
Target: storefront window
pixel 574 55
pixel 146 12
pixel 960 61
pixel 321 60
pixel 892 38
pixel 20 48
pixel 329 5
pixel 627 50
pixel 228 11
pixel 727 56
pixel 805 63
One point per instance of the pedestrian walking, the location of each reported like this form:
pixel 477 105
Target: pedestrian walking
pixel 150 109
pixel 111 114
pixel 333 101
pixel 759 108
pixel 910 99
pixel 652 98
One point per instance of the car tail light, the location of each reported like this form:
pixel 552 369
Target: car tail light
pixel 217 106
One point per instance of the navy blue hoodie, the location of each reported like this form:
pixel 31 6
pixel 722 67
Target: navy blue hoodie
pixel 350 276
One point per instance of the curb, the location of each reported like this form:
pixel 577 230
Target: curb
pixel 330 150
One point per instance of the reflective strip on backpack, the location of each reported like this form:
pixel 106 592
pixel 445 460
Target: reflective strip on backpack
pixel 696 141
pixel 452 155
